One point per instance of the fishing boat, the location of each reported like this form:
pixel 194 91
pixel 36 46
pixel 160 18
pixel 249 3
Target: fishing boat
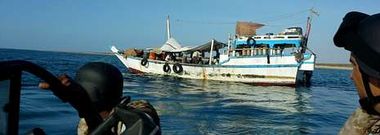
pixel 269 59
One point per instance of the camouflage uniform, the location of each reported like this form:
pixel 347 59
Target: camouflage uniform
pixel 141 105
pixel 361 123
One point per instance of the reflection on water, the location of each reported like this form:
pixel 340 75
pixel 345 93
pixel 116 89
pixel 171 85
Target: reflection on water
pixel 284 99
pixel 212 107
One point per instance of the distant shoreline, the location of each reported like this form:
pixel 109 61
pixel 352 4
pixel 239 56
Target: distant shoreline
pixel 317 65
pixel 90 53
pixel 93 53
pixel 333 66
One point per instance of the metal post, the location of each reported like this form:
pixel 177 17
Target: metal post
pixel 212 48
pixel 228 45
pixel 252 50
pixel 168 28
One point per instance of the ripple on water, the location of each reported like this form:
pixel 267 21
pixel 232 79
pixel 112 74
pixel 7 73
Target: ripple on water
pixel 196 106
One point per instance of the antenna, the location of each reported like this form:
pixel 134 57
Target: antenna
pixel 310 18
pixel 308 23
pixel 168 28
pixel 312 13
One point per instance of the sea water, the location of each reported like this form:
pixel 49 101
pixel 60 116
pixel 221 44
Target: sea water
pixel 196 106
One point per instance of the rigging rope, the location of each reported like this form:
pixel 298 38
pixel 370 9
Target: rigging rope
pixel 202 22
pixel 286 16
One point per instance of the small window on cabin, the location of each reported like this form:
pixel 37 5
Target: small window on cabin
pixel 293 37
pixel 279 37
pixel 261 46
pixel 284 46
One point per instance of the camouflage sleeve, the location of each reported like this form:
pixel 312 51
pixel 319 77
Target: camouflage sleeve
pixel 82 128
pixel 360 123
pixel 146 107
pixel 141 105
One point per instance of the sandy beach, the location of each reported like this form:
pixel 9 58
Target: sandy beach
pixel 333 66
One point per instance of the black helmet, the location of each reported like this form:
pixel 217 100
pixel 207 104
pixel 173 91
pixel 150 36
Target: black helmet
pixel 360 34
pixel 103 83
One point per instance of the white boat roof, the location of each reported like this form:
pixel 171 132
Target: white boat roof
pixel 170 45
pixel 204 47
pixel 207 46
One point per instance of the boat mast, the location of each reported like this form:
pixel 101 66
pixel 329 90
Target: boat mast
pixel 168 28
pixel 308 24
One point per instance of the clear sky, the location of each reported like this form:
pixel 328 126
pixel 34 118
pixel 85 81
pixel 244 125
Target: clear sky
pixel 94 25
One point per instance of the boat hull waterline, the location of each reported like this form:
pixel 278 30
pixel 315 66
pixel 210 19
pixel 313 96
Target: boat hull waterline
pixel 282 71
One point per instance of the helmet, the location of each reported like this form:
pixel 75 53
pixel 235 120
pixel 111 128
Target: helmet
pixel 360 34
pixel 103 83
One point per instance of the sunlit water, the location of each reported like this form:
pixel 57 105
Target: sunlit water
pixel 196 106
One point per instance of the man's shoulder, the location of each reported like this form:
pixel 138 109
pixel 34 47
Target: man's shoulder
pixel 146 107
pixel 360 122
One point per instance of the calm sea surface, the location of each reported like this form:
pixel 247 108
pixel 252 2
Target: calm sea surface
pixel 195 106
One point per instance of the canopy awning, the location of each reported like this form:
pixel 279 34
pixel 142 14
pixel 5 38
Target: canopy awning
pixel 170 45
pixel 207 46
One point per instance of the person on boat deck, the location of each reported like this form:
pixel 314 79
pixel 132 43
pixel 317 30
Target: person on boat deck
pixel 104 85
pixel 162 56
pixel 215 60
pixel 196 57
pixel 170 57
pixel 359 33
pixel 167 57
pixel 196 54
pixel 184 59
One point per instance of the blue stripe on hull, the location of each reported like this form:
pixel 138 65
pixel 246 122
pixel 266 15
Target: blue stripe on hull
pixel 271 43
pixel 258 66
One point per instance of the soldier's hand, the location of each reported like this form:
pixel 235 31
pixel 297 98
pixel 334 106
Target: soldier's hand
pixel 64 78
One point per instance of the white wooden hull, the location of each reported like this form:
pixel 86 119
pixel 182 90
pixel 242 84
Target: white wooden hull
pixel 281 70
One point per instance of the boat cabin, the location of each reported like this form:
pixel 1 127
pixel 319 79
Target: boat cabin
pixel 288 42
pixel 268 44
